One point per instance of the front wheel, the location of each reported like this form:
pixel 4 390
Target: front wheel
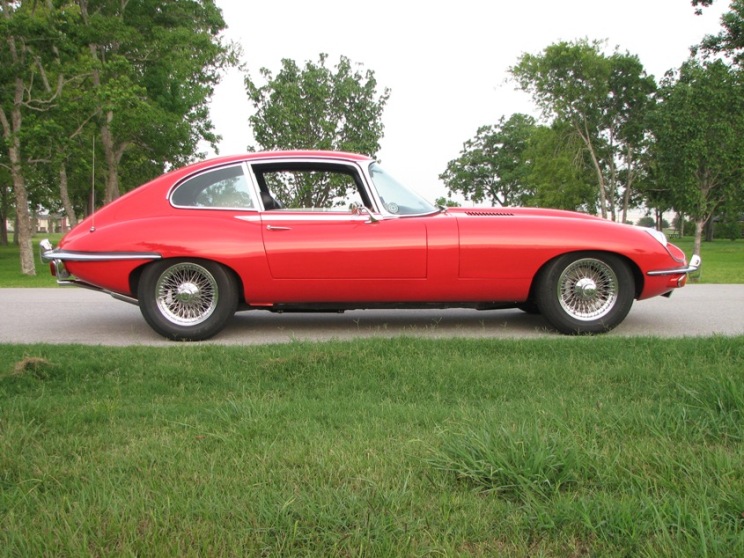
pixel 585 293
pixel 187 300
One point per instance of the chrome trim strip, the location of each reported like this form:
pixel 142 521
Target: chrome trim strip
pixel 69 255
pixel 693 266
pixel 278 215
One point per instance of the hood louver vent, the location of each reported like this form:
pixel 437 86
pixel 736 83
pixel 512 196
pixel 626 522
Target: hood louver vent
pixel 486 213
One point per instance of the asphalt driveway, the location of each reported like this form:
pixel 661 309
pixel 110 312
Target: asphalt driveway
pixel 73 315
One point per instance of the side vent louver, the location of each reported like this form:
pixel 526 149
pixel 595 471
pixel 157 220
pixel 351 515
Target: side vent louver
pixel 486 213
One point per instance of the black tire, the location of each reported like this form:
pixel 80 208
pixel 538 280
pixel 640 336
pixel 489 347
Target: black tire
pixel 529 307
pixel 585 293
pixel 187 300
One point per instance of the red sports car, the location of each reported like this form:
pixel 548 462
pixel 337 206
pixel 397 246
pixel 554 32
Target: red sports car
pixel 315 231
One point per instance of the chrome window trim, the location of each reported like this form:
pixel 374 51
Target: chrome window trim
pixel 355 166
pixel 252 188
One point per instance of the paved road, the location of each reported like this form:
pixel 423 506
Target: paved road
pixel 73 315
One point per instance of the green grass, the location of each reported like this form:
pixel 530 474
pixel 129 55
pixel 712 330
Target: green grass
pixel 723 261
pixel 400 447
pixel 10 266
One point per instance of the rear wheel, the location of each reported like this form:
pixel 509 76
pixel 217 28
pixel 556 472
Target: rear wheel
pixel 187 300
pixel 585 293
pixel 529 307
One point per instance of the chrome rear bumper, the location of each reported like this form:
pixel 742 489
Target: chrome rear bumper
pixel 56 259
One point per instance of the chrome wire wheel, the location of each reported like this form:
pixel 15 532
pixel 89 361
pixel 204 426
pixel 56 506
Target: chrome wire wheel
pixel 588 289
pixel 186 294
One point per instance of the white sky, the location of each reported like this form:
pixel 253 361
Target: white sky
pixel 445 63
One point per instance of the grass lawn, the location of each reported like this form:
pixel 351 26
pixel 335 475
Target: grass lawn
pixel 723 261
pixel 400 447
pixel 10 266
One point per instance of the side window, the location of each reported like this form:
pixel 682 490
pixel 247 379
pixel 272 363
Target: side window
pixel 314 187
pixel 225 188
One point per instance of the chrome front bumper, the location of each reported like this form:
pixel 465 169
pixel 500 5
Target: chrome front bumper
pixel 694 265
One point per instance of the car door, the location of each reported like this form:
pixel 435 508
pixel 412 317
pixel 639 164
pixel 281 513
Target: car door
pixel 327 237
pixel 343 245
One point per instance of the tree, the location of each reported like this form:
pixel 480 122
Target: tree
pixel 446 202
pixel 138 75
pixel 5 195
pixel 559 174
pixel 698 126
pixel 316 107
pixel 603 99
pixel 730 41
pixel 153 66
pixel 491 166
pixel 31 79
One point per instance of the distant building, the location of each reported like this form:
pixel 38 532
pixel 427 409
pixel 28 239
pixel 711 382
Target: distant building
pixel 45 223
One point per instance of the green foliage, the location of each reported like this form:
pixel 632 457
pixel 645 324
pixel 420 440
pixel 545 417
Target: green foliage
pixel 317 107
pixel 492 166
pixel 560 176
pixel 603 100
pixel 446 202
pixel 136 76
pixel 383 447
pixel 517 162
pixel 730 41
pixel 143 70
pixel 698 125
pixel 153 68
pixel 730 227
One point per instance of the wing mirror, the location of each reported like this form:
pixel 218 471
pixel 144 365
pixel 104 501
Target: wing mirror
pixel 359 209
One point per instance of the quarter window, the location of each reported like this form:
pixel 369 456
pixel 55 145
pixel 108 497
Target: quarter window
pixel 225 188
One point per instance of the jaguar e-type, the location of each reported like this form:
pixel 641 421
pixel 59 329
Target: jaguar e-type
pixel 327 231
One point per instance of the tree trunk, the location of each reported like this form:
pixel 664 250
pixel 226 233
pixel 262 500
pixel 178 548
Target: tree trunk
pixel 585 137
pixel 11 133
pixel 708 231
pixel 629 160
pixel 113 155
pixel 24 225
pixel 4 207
pixel 3 229
pixel 65 195
pixel 699 226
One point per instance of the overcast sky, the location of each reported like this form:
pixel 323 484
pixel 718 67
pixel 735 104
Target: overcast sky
pixel 446 65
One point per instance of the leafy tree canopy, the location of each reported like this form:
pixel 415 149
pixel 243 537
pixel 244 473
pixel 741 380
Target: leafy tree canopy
pixel 491 166
pixel 316 107
pixel 603 98
pixel 698 127
pixel 730 41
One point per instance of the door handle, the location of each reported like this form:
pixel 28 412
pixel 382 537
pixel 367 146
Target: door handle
pixel 275 228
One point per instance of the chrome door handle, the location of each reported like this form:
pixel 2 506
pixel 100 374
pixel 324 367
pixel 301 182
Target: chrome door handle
pixel 274 228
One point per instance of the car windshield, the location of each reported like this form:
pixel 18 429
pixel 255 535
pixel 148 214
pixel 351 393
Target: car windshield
pixel 396 198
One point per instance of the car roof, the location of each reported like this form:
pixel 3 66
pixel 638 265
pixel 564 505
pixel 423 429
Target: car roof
pixel 290 154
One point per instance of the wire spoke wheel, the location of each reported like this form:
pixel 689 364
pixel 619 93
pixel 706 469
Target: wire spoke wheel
pixel 187 300
pixel 588 289
pixel 187 294
pixel 585 292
